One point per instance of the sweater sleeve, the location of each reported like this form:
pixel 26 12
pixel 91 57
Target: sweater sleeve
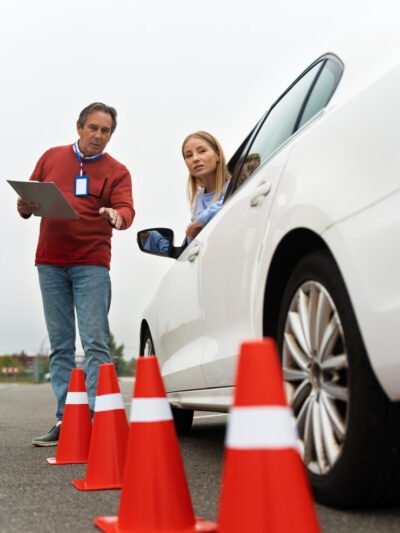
pixel 212 209
pixel 38 171
pixel 122 200
pixel 208 213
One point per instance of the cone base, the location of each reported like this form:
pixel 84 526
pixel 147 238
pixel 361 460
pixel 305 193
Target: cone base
pixel 82 484
pixel 109 524
pixel 54 461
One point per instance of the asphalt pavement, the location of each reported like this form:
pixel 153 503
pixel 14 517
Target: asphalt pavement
pixel 36 497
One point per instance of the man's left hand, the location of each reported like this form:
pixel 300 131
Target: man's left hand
pixel 112 215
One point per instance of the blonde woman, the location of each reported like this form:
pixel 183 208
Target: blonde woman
pixel 208 178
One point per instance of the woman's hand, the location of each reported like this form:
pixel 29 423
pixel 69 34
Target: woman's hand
pixel 193 229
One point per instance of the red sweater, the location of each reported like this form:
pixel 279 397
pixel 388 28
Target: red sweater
pixel 86 241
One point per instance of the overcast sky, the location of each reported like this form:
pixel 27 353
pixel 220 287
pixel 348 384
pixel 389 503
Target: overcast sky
pixel 170 68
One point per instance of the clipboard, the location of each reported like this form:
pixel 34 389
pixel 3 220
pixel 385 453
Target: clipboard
pixel 48 195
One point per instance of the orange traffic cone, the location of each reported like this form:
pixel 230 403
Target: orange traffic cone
pixel 109 435
pixel 155 495
pixel 265 487
pixel 73 446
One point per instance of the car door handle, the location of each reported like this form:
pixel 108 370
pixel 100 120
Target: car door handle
pixel 261 192
pixel 194 252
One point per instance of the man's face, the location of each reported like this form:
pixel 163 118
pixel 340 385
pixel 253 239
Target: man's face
pixel 95 133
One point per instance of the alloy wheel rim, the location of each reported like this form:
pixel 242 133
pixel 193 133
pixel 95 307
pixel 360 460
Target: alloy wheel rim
pixel 315 370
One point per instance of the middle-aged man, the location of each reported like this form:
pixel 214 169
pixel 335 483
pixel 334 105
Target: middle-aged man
pixel 73 256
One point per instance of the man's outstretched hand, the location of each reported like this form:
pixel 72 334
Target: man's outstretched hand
pixel 112 215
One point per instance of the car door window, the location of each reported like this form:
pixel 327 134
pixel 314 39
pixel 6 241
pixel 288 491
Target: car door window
pixel 278 125
pixel 323 90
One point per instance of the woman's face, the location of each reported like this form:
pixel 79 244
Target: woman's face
pixel 200 159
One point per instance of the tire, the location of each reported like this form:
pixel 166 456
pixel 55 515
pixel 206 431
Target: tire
pixel 349 431
pixel 183 418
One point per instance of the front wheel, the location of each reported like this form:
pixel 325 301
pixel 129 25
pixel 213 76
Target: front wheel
pixel 349 431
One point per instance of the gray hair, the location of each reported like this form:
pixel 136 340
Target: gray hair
pixel 98 106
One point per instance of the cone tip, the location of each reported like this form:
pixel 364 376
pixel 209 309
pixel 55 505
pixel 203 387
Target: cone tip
pixel 259 376
pixel 149 383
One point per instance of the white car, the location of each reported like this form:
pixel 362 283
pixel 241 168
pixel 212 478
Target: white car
pixel 306 249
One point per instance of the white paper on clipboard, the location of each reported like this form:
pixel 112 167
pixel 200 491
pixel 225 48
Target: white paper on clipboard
pixel 53 203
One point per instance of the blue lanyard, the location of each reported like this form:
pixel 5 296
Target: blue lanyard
pixel 88 159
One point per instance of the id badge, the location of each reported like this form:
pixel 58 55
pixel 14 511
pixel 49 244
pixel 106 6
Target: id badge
pixel 81 185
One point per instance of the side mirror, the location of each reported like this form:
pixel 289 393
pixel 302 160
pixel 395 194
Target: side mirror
pixel 157 241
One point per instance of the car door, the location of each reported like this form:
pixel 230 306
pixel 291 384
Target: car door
pixel 230 256
pixel 180 321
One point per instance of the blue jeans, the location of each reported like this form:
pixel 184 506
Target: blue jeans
pixel 86 290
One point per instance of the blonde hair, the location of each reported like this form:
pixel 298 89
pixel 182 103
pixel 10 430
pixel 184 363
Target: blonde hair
pixel 221 175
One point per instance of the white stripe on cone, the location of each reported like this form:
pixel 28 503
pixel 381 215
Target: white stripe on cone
pixel 108 402
pixel 261 428
pixel 150 410
pixel 76 398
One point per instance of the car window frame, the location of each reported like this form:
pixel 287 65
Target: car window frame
pixel 329 58
pixel 245 147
